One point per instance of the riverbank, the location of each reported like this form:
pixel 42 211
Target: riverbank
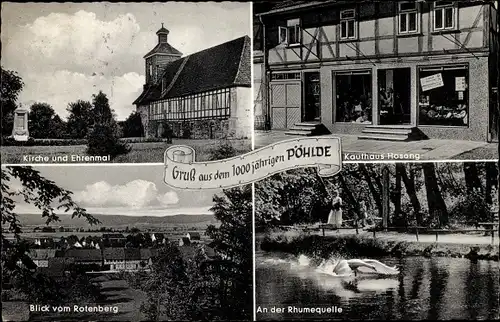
pixel 350 246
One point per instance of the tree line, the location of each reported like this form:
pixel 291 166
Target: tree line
pixel 420 194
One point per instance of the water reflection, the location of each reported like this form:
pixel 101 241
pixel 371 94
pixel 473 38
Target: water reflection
pixel 436 288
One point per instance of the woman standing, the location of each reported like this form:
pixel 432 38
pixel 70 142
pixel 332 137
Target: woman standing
pixel 335 216
pixel 362 213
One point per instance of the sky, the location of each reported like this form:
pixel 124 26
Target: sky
pixel 69 51
pixel 132 190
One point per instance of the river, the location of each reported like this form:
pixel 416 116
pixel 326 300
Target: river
pixel 426 288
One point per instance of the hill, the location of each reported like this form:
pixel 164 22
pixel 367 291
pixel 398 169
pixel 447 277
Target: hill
pixel 122 221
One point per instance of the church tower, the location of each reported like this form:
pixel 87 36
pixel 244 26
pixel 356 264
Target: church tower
pixel 160 56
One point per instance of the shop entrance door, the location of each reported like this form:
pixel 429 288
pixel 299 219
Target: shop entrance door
pixel 312 97
pixel 394 88
pixel 285 104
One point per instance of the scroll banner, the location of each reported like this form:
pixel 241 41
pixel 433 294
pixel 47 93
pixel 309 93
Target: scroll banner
pixel 183 172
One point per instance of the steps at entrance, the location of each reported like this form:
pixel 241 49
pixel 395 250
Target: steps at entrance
pixel 306 129
pixel 390 133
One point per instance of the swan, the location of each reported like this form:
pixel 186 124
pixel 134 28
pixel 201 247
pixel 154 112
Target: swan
pixel 348 266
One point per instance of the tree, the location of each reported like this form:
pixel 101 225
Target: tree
pixel 472 177
pixel 103 139
pixel 80 119
pixel 132 126
pixel 11 86
pixel 58 128
pixel 435 201
pixel 17 267
pixel 44 123
pixel 165 287
pixel 102 113
pixel 232 241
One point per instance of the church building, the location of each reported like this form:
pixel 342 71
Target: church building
pixel 205 95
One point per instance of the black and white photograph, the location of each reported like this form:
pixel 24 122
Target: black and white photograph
pixel 379 241
pixel 115 243
pixel 395 80
pixel 120 82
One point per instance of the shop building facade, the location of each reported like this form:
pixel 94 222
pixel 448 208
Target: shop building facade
pixel 379 70
pixel 205 95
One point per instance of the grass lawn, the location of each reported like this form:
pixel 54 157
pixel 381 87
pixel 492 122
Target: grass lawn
pixel 143 152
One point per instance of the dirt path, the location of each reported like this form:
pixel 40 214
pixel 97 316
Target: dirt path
pixel 466 239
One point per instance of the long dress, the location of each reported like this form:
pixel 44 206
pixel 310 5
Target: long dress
pixel 335 216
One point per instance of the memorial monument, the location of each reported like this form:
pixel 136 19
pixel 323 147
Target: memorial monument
pixel 20 130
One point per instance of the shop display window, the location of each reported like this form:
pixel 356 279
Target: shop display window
pixel 444 96
pixel 354 97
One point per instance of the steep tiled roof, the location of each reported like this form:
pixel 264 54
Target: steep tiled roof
pixel 84 254
pixel 114 253
pixel 132 254
pixel 214 68
pixel 39 254
pixel 113 236
pixel 292 5
pixel 194 235
pixel 164 48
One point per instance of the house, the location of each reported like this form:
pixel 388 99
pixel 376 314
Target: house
pixel 184 241
pixel 133 259
pixel 378 69
pixel 205 95
pixel 44 242
pixel 128 258
pixel 113 240
pixel 114 257
pixel 158 238
pixel 147 255
pixel 41 257
pixel 193 237
pixel 57 266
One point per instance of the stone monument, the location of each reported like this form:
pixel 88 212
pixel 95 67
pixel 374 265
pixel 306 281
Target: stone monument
pixel 20 130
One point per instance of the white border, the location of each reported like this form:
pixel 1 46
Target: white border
pixel 252 117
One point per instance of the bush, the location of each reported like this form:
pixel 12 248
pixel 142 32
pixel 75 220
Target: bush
pixel 142 140
pixel 9 141
pixel 221 151
pixel 471 207
pixel 102 140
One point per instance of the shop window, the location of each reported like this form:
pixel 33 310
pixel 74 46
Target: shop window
pixel 444 96
pixel 348 25
pixel 290 35
pixel 354 97
pixel 408 17
pixel 445 15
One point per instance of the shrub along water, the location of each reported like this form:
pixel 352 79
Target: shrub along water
pixel 350 246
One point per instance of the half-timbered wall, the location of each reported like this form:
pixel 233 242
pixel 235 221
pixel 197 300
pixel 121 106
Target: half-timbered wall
pixel 378 33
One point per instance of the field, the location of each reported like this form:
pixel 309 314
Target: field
pixel 173 227
pixel 143 152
